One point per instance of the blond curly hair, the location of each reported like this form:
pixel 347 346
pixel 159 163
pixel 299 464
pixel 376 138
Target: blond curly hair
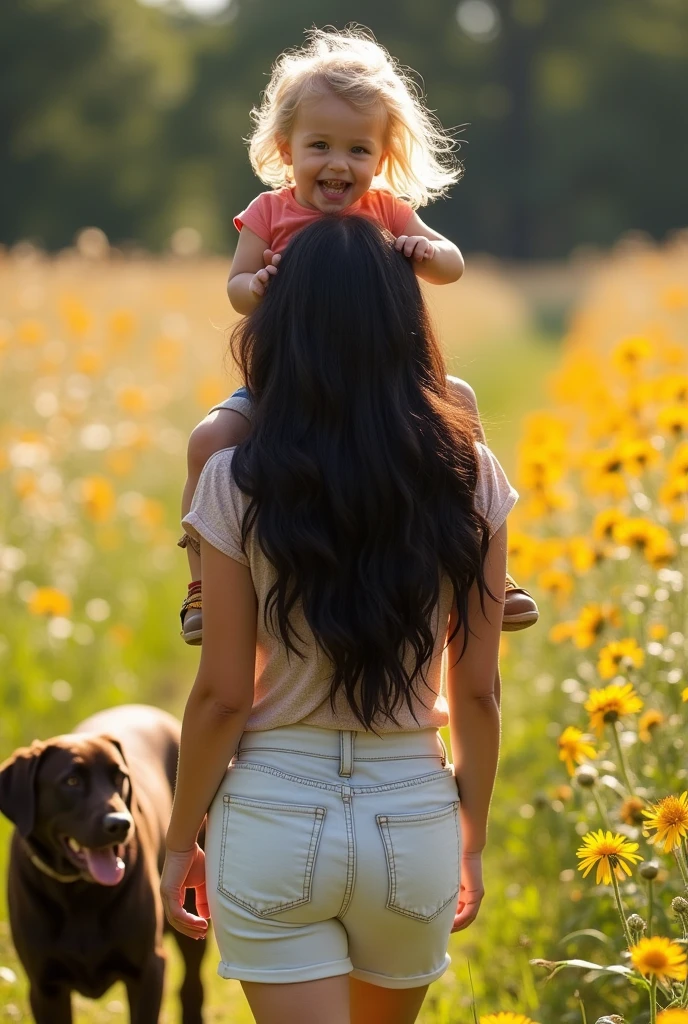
pixel 421 161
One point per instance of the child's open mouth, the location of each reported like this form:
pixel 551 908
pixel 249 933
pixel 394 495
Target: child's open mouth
pixel 334 189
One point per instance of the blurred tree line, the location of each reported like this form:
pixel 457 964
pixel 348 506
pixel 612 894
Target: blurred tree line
pixel 131 117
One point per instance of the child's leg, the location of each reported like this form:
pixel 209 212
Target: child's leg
pixel 520 610
pixel 222 428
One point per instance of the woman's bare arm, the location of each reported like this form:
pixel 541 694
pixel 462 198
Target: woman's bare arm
pixel 473 705
pixel 222 695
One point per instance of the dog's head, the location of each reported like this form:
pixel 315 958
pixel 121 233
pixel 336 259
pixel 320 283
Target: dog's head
pixel 71 797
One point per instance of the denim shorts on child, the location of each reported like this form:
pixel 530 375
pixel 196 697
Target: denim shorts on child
pixel 333 853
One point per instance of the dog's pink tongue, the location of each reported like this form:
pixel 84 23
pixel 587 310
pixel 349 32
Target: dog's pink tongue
pixel 104 865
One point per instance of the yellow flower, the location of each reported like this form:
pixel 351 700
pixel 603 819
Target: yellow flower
pixel 673 419
pixel 648 722
pixel 659 958
pixel 562 631
pixel 631 811
pixel 684 694
pixel 574 748
pixel 605 523
pixel 678 463
pixel 617 655
pixel 662 549
pixel 609 852
pixel 634 532
pixel 637 456
pixel 657 631
pixel 669 817
pixel 49 601
pixel 77 318
pixel 132 399
pixel 630 353
pixel 98 497
pixel 610 704
pixel 31 332
pixel 604 473
pixel 505 1018
pixel 674 1016
pixel 583 554
pixel 557 583
pixel 592 620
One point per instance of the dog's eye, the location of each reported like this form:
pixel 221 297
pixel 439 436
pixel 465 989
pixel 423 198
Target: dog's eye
pixel 72 780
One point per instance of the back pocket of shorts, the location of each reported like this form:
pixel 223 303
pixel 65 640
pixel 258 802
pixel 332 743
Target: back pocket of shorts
pixel 422 852
pixel 268 854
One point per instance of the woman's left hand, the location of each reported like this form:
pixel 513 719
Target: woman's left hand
pixel 185 870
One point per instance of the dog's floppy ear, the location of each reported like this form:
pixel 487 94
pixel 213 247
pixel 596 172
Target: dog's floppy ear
pixel 18 785
pixel 118 744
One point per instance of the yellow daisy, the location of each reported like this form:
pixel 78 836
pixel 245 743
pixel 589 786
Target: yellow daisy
pixel 610 704
pixel 609 852
pixel 648 722
pixel 574 748
pixel 628 354
pixel 49 601
pixel 673 419
pixel 659 958
pixel 557 583
pixel 592 619
pixel 605 522
pixel 684 694
pixel 505 1018
pixel 674 1016
pixel 669 817
pixel 617 655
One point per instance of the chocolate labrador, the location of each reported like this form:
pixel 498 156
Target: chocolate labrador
pixel 91 809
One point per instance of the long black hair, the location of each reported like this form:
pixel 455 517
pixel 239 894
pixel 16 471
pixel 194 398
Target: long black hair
pixel 360 469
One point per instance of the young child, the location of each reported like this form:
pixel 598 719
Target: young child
pixel 340 129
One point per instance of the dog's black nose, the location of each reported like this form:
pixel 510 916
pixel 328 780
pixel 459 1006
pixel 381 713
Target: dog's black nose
pixel 117 824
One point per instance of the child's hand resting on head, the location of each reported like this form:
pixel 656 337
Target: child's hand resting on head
pixel 417 247
pixel 259 281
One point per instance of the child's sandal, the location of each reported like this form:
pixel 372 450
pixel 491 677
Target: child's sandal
pixel 191 615
pixel 520 610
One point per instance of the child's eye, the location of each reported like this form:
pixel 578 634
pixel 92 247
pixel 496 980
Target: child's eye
pixel 358 149
pixel 318 145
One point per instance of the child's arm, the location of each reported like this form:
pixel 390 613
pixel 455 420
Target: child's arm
pixel 252 266
pixel 436 259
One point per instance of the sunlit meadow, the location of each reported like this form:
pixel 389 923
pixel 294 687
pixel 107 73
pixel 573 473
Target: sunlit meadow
pixel 107 361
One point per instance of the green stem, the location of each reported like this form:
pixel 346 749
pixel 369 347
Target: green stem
pixel 600 807
pixel 653 1001
pixel 622 758
pixel 681 865
pixel 619 906
pixel 650 893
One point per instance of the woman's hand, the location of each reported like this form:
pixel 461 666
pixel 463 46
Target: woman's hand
pixel 471 892
pixel 185 870
pixel 260 281
pixel 416 247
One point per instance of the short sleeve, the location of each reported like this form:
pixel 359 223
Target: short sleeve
pixel 257 217
pixel 394 213
pixel 217 509
pixel 494 495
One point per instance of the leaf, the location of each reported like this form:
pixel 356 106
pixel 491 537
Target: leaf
pixel 592 933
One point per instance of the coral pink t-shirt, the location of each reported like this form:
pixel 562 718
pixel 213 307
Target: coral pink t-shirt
pixel 276 216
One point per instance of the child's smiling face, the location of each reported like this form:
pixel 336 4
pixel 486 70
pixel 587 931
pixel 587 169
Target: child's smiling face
pixel 334 151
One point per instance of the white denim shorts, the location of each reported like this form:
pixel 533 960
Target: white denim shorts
pixel 335 853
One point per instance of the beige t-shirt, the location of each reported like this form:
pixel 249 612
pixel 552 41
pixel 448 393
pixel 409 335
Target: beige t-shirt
pixel 289 690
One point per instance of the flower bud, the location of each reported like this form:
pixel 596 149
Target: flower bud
pixel 636 923
pixel 586 775
pixel 680 906
pixel 649 869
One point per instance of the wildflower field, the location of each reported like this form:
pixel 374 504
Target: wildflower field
pixel 106 363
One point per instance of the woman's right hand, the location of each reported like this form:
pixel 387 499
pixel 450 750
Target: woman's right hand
pixel 471 892
pixel 260 281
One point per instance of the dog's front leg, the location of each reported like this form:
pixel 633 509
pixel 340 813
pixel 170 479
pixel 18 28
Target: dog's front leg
pixel 145 993
pixel 50 1004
